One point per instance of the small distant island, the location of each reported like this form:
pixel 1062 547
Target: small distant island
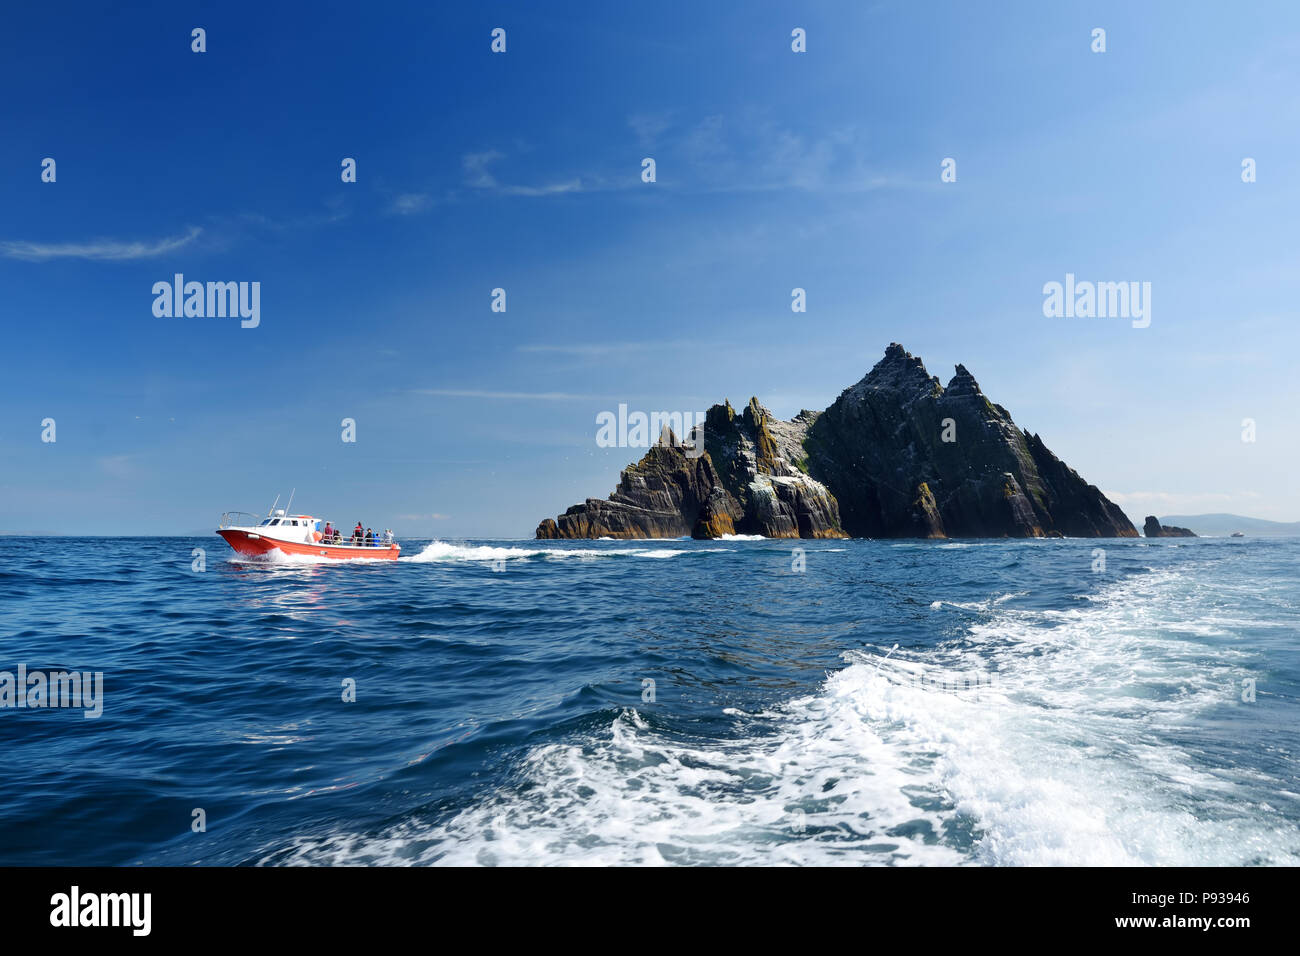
pixel 898 455
pixel 1152 528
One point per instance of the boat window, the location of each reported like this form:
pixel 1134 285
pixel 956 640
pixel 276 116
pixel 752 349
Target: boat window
pixel 276 521
pixel 266 521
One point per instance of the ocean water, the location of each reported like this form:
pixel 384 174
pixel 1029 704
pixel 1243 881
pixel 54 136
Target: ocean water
pixel 893 703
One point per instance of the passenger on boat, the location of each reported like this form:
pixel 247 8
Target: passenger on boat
pixel 329 531
pixel 357 533
pixel 371 540
pixel 388 536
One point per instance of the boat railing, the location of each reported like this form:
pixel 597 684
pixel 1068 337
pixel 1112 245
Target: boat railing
pixel 238 519
pixel 348 541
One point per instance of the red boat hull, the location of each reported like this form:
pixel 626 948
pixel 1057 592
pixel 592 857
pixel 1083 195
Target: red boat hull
pixel 254 544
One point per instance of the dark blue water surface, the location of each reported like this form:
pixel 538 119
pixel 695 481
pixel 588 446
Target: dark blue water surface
pixel 1048 702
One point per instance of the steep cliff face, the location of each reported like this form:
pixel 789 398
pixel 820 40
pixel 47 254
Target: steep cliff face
pixel 759 459
pixel 667 494
pixel 896 455
pixel 907 457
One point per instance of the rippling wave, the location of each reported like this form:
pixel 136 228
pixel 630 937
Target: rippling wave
pixel 679 702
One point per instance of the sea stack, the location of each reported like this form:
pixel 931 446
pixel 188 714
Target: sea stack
pixel 897 455
pixel 1152 528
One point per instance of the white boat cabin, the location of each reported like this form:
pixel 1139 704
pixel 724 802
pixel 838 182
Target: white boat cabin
pixel 289 527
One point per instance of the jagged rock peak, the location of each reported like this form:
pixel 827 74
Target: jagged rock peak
pixel 901 371
pixel 756 413
pixel 719 418
pixel 758 419
pixel 963 385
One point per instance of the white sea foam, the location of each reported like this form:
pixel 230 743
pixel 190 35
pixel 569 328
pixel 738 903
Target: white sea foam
pixel 984 605
pixel 1068 760
pixel 633 797
pixel 437 551
pixel 446 551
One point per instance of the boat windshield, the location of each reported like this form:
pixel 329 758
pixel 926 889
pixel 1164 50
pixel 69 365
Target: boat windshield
pixel 266 521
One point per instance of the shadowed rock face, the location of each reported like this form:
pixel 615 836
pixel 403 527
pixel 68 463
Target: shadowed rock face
pixel 667 494
pixel 907 457
pixel 896 455
pixel 1152 528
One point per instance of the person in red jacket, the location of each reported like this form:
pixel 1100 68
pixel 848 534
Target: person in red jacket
pixel 357 532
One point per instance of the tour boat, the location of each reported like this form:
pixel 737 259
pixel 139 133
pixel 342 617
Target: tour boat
pixel 294 534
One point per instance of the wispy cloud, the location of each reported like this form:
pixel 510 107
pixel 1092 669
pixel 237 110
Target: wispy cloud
pixel 750 152
pixel 436 516
pixel 572 186
pixel 601 349
pixel 478 175
pixel 336 210
pixel 408 204
pixel 507 396
pixel 117 466
pixel 102 250
pixel 648 127
pixel 476 168
pixel 754 153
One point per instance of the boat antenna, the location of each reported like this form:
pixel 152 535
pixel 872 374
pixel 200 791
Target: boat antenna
pixel 273 504
pixel 288 509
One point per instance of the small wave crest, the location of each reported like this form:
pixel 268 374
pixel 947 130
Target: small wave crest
pixel 446 551
pixel 439 551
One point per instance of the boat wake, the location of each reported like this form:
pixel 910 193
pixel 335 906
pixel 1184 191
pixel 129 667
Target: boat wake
pixel 438 551
pixel 1048 737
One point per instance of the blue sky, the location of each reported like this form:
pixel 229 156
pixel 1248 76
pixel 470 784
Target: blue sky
pixel 522 171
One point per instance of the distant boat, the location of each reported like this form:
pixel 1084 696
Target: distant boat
pixel 1237 534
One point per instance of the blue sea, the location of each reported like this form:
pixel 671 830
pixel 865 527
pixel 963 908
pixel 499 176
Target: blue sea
pixel 659 702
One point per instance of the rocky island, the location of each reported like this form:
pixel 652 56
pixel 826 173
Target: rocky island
pixel 1152 528
pixel 897 455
